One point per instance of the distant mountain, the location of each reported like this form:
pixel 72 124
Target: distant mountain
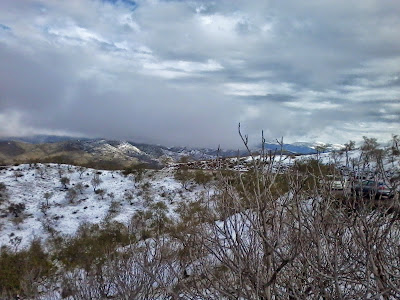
pixel 109 153
pixel 98 152
pixel 304 147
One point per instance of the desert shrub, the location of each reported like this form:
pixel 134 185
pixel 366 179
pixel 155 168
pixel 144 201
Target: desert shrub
pixel 128 195
pixel 17 174
pixel 159 218
pixel 276 186
pixel 113 210
pixel 314 167
pixel 101 192
pixel 71 196
pixel 3 192
pixel 111 195
pixel 151 222
pixel 64 181
pixel 184 159
pixel 146 186
pixel 80 187
pixel 114 207
pixel 137 170
pixel 193 213
pixel 16 209
pixel 202 178
pixel 134 168
pixel 184 176
pixel 138 225
pixel 21 270
pixel 40 172
pixel 92 245
pixel 312 170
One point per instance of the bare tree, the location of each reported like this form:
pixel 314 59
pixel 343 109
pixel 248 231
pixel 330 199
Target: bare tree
pixel 281 235
pixel 17 174
pixel 273 232
pixel 47 196
pixel 81 170
pixel 347 148
pixel 95 181
pixel 40 171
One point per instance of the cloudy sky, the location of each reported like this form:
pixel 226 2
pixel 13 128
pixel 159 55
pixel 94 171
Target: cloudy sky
pixel 187 72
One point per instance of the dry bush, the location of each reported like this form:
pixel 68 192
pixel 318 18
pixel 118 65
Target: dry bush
pixel 22 272
pixel 271 233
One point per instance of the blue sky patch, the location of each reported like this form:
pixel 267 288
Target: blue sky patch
pixel 130 3
pixel 4 27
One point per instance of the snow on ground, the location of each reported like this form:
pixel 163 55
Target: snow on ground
pixel 127 148
pixel 127 197
pixel 64 216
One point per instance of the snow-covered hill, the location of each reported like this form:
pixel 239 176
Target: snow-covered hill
pixel 87 151
pixel 123 197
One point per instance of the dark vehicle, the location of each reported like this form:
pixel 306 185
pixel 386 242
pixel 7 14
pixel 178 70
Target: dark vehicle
pixel 373 189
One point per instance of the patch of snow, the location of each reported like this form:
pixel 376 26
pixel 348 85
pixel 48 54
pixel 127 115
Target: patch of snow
pixel 65 217
pixel 125 147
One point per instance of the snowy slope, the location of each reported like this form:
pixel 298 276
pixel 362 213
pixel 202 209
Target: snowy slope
pixel 127 196
pixel 64 216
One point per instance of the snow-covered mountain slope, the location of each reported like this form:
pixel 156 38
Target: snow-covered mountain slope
pixel 127 148
pixel 304 147
pixel 85 151
pixel 31 184
pixel 352 163
pixel 123 197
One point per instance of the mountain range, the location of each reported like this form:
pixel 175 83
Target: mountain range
pixel 121 153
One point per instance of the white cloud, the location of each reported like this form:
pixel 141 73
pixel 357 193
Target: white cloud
pixel 176 69
pixel 76 32
pixel 333 63
pixel 257 89
pixel 12 123
pixel 304 105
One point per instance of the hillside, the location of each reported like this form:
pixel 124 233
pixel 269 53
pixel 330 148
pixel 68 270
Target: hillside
pixel 80 233
pixel 127 194
pixel 110 154
pixel 77 152
pixel 100 153
pixel 122 198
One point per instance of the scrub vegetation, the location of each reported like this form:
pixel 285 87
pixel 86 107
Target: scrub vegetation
pixel 269 229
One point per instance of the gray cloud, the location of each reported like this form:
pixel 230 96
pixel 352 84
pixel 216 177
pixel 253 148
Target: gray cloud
pixel 186 72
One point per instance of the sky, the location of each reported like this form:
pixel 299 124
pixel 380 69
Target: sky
pixel 187 72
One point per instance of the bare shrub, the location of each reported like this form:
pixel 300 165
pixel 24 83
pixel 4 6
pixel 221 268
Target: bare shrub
pixel 95 181
pixel 3 193
pixel 64 181
pixel 80 187
pixel 16 209
pixel 71 196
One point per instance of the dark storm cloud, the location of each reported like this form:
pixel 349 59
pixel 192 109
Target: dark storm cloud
pixel 186 72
